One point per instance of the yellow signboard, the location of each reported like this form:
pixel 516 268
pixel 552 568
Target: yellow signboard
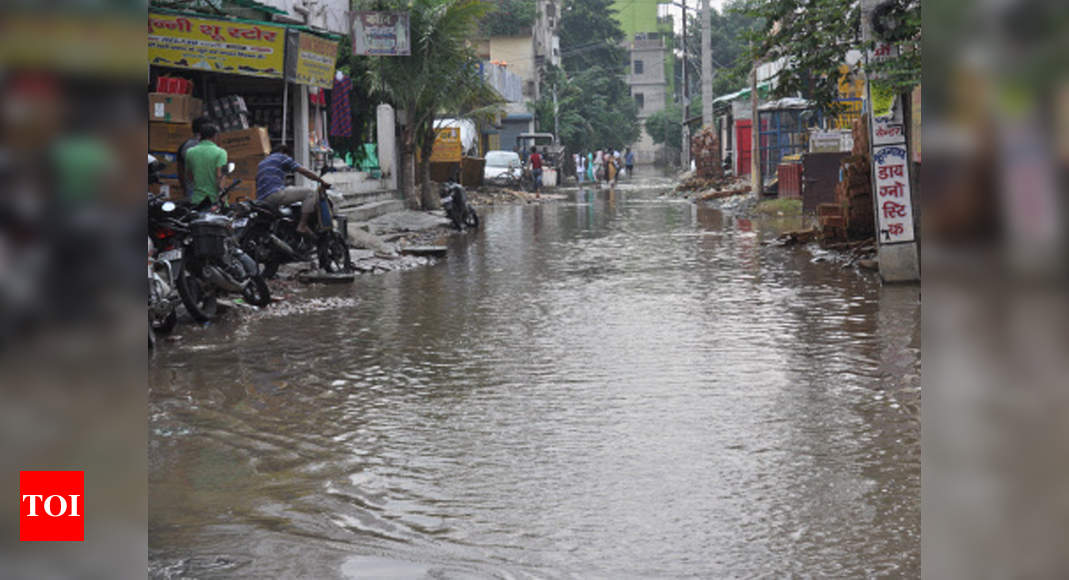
pixel 315 61
pixel 224 46
pixel 446 146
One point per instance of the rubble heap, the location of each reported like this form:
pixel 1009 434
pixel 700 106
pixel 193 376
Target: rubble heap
pixel 705 150
pixel 851 216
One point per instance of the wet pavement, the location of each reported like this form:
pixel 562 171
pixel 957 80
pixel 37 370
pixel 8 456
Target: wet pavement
pixel 611 386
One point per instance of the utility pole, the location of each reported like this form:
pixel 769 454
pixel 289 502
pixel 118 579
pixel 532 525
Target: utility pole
pixel 707 65
pixel 897 250
pixel 556 112
pixel 684 147
pixel 756 182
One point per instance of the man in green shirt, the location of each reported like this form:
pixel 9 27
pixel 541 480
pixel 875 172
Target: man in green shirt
pixel 204 166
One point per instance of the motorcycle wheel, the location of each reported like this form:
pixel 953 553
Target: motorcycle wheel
pixel 257 246
pixel 472 218
pixel 256 292
pixel 198 296
pixel 334 254
pixel 166 325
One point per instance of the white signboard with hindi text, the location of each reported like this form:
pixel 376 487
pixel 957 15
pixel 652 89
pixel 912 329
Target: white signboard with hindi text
pixel 380 34
pixel 894 212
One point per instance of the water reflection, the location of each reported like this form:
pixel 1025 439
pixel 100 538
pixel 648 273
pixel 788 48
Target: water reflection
pixel 609 386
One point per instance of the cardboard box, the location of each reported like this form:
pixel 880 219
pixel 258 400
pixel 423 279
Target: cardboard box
pixel 168 137
pixel 170 188
pixel 245 143
pixel 172 108
pixel 246 167
pixel 244 190
pixel 169 161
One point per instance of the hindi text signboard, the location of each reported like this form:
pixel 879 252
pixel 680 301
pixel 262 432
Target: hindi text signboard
pixel 894 210
pixel 315 61
pixel 447 147
pixel 380 33
pixel 216 45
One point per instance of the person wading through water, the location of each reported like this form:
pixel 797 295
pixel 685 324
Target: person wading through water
pixel 536 171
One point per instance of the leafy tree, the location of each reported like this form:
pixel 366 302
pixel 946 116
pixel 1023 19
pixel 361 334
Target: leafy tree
pixel 729 37
pixel 666 122
pixel 814 37
pixel 508 18
pixel 902 73
pixel 439 74
pixel 594 102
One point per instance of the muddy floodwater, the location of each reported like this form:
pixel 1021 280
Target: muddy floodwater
pixel 609 386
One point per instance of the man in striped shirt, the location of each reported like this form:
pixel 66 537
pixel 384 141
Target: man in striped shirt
pixel 271 185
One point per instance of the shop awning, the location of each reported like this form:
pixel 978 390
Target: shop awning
pixel 762 88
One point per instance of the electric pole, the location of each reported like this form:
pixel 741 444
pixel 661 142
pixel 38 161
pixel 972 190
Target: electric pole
pixel 684 147
pixel 756 181
pixel 707 65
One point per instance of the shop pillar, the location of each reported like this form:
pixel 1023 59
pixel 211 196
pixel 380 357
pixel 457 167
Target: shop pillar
pixel 301 151
pixel 387 144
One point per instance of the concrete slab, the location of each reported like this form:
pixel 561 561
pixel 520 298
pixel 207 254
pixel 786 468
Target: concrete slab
pixel 368 211
pixel 437 251
pixel 406 221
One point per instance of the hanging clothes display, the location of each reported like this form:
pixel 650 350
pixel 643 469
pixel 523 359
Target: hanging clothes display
pixel 341 117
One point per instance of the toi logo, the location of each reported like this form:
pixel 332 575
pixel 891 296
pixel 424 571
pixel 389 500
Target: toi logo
pixel 51 506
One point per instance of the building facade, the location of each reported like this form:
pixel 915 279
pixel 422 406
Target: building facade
pixel 651 67
pixel 523 57
pixel 649 87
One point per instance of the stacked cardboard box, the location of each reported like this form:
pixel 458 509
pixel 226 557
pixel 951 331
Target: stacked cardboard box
pixel 170 188
pixel 173 108
pixel 170 116
pixel 245 148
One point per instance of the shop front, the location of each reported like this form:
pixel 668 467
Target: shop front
pixel 264 84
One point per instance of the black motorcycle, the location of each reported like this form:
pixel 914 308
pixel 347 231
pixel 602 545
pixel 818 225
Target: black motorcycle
pixel 167 228
pixel 456 206
pixel 270 235
pixel 214 264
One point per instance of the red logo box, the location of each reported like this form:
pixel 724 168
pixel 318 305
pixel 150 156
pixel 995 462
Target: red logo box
pixel 51 506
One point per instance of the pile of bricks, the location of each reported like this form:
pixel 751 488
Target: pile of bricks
pixel 705 150
pixel 851 216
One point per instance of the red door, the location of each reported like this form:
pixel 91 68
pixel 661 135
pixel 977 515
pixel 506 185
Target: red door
pixel 743 143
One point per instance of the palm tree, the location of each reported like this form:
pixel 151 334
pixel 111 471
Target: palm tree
pixel 437 75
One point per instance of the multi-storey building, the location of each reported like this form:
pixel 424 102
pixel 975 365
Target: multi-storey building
pixel 524 55
pixel 650 76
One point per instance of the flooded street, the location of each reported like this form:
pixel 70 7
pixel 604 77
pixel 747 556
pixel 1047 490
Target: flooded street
pixel 603 387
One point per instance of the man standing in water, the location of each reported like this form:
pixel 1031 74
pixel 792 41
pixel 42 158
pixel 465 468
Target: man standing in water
pixel 629 159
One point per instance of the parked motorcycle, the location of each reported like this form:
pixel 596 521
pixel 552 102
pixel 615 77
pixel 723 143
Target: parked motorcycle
pixel 214 264
pixel 270 235
pixel 456 206
pixel 166 231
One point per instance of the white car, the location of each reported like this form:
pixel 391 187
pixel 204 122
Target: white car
pixel 502 167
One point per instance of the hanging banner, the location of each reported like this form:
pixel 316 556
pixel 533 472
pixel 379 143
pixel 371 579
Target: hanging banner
pixel 380 33
pixel 214 45
pixel 316 58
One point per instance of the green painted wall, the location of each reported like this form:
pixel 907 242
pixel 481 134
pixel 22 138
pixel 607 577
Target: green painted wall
pixel 636 16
